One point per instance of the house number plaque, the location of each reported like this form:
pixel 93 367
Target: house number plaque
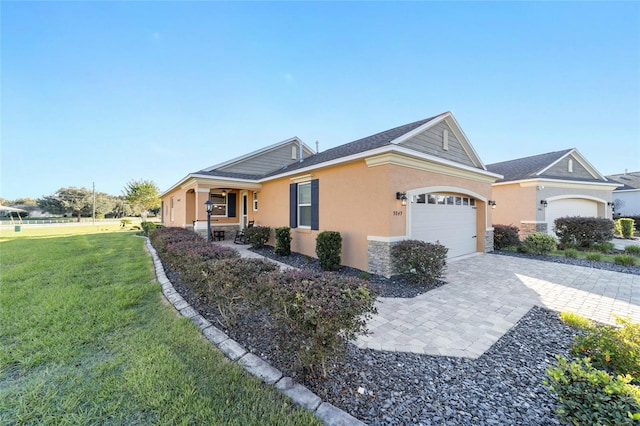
pixel 397 212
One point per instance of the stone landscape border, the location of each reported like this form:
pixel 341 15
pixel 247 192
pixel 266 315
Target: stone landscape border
pixel 329 414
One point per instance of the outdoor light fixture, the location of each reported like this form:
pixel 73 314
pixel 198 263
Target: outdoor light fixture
pixel 402 196
pixel 544 203
pixel 209 205
pixel 610 204
pixel 492 203
pixel 224 192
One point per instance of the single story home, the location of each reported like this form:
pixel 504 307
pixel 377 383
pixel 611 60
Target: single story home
pixel 536 190
pixel 421 180
pixel 626 198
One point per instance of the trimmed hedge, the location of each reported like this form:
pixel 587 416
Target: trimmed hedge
pixel 539 243
pixel 625 227
pixel 583 232
pixel 505 236
pixel 419 261
pixel 283 241
pixel 328 248
pixel 257 236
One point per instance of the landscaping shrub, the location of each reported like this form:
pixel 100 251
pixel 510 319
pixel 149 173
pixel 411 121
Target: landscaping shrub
pixel 632 250
pixel 576 321
pixel 583 231
pixel 283 241
pixel 328 248
pixel 147 228
pixel 317 313
pixel 505 236
pixel 593 256
pixel 419 261
pixel 257 236
pixel 539 243
pixel 624 260
pixel 615 349
pixel 603 247
pixel 626 227
pixel 571 253
pixel 588 396
pixel 229 282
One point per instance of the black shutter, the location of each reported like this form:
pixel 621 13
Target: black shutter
pixel 231 204
pixel 293 205
pixel 315 205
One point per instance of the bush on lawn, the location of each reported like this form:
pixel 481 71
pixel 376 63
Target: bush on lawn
pixel 419 261
pixel 625 227
pixel 588 396
pixel 632 250
pixel 505 236
pixel 593 256
pixel 316 314
pixel 583 231
pixel 283 241
pixel 328 248
pixel 148 228
pixel 257 236
pixel 624 260
pixel 603 247
pixel 539 243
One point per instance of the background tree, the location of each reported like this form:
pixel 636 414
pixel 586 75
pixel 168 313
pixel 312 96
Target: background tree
pixel 78 201
pixel 143 196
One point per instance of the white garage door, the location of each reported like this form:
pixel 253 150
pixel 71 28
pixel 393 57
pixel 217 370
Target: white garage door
pixel 569 207
pixel 448 218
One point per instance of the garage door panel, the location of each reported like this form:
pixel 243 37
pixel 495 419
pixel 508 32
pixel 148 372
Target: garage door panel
pixel 569 207
pixel 452 225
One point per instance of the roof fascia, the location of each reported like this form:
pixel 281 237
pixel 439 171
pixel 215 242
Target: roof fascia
pixel 537 181
pixel 259 152
pixel 455 127
pixel 194 178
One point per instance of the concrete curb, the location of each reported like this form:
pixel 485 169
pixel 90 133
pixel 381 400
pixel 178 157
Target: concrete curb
pixel 329 414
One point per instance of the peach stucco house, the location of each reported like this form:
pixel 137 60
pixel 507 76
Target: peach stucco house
pixel 422 180
pixel 536 190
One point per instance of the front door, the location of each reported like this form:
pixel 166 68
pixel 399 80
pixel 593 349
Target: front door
pixel 245 209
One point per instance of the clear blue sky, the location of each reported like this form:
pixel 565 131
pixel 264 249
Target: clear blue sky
pixel 107 92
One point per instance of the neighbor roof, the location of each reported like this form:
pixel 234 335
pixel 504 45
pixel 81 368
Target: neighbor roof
pixel 527 167
pixel 629 180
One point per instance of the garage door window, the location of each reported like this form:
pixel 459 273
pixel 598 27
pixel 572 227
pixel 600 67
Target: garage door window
pixel 444 200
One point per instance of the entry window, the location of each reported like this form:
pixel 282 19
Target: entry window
pixel 304 205
pixel 219 205
pixel 255 201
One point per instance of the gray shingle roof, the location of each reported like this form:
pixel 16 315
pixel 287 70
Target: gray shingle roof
pixel 527 167
pixel 629 180
pixel 361 145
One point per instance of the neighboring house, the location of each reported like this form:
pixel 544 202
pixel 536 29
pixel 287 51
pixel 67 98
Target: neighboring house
pixel 537 190
pixel 422 180
pixel 626 199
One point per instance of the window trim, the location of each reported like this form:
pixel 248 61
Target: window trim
pixel 299 205
pixel 254 201
pixel 226 204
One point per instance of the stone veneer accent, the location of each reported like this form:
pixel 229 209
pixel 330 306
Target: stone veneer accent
pixel 379 258
pixel 529 228
pixel 488 240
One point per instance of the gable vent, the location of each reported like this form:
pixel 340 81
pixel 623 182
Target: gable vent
pixel 445 140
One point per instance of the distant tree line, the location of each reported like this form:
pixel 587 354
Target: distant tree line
pixel 139 198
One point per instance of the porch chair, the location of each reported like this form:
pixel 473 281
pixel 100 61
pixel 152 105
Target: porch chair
pixel 240 234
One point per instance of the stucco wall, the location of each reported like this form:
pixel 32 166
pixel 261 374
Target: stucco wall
pixel 631 202
pixel 513 204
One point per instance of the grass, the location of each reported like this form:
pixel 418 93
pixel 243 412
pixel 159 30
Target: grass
pixel 57 230
pixel 85 338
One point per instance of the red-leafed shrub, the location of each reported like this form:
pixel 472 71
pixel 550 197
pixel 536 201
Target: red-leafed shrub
pixel 505 236
pixel 583 231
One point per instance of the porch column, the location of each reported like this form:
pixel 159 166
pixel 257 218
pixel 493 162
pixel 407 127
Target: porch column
pixel 202 195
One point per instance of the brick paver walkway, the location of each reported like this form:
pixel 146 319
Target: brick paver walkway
pixel 486 295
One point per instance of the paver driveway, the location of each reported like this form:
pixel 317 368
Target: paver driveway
pixel 487 294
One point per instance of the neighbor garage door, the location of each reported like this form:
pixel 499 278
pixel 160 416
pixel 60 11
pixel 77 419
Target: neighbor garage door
pixel 569 207
pixel 447 218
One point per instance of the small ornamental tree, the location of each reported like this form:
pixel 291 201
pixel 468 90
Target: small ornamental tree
pixel 143 196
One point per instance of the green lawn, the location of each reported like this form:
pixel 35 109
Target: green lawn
pixel 85 338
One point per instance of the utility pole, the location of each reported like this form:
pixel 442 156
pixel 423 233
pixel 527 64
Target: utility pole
pixel 94 203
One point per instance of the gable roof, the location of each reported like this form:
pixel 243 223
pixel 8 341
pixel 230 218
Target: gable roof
pixel 630 181
pixel 534 166
pixel 388 138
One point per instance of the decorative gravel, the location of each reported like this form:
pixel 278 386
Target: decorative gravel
pixel 502 387
pixel 609 266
